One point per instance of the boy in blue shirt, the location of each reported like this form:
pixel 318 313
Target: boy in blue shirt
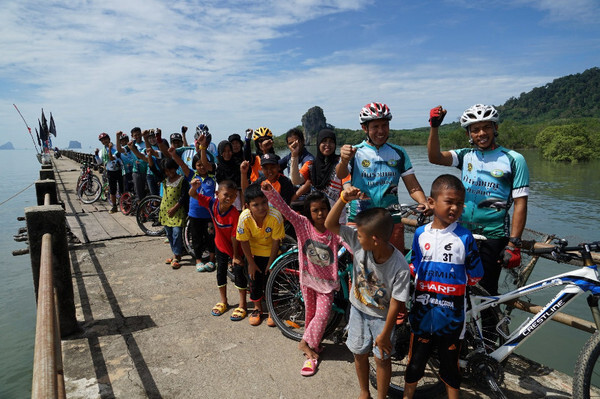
pixel 445 260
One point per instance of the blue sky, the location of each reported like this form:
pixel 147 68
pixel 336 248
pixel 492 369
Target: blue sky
pixel 103 66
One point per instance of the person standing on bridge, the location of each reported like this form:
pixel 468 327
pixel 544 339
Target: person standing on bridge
pixel 494 177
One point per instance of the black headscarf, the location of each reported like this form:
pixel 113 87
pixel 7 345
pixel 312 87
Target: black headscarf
pixel 227 170
pixel 323 166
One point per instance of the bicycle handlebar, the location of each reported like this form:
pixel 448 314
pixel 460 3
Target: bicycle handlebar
pixel 404 210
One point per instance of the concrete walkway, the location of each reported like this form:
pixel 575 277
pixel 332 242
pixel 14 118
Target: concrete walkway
pixel 148 332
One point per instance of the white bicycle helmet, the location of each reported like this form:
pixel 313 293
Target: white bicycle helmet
pixel 373 111
pixel 478 113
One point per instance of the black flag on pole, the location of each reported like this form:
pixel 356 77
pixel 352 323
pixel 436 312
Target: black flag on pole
pixel 52 125
pixel 38 137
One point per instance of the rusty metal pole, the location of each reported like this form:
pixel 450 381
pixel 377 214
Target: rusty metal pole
pixel 44 366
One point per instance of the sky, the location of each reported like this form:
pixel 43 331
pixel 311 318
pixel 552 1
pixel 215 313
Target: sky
pixel 104 66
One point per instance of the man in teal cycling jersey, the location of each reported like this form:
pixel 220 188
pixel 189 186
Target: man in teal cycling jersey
pixel 376 167
pixel 494 178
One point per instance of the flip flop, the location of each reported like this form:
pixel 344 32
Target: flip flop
pixel 209 267
pixel 238 314
pixel 175 264
pixel 219 309
pixel 309 367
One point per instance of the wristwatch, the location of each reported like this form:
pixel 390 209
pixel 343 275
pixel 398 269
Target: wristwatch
pixel 516 241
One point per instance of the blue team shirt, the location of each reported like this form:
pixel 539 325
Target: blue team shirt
pixel 443 263
pixel 492 179
pixel 207 188
pixel 377 172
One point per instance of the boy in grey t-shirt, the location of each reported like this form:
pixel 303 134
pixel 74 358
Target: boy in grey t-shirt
pixel 380 288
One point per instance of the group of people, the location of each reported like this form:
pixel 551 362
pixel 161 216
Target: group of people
pixel 247 195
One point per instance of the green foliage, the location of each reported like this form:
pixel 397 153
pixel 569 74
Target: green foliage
pixel 573 142
pixel 572 96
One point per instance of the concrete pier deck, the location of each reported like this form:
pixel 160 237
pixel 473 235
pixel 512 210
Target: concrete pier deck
pixel 147 330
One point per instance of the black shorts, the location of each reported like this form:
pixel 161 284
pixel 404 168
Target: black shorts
pixel 448 347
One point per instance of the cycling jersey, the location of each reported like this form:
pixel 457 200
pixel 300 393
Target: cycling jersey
pixel 140 166
pixel 443 263
pixel 128 159
pixel 376 172
pixel 207 188
pixel 115 164
pixel 187 155
pixel 492 179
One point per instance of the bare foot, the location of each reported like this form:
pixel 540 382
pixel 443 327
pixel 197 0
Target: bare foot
pixel 308 352
pixel 364 395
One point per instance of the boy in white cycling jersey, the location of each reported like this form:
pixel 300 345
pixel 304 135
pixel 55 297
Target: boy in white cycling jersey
pixel 377 166
pixel 494 178
pixel 444 261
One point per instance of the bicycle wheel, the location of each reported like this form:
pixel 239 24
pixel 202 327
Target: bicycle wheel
pixel 187 239
pixel 285 301
pixel 428 386
pixel 105 195
pixel 89 190
pixel 147 216
pixel 586 376
pixel 126 203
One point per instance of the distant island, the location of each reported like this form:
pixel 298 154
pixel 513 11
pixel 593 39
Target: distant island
pixel 74 144
pixel 7 146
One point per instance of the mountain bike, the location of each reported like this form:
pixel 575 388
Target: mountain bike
pixel 284 297
pixel 89 187
pixel 485 349
pixel 147 215
pixel 127 203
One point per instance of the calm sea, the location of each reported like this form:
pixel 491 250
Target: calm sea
pixel 564 201
pixel 18 168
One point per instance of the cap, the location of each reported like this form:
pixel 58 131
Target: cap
pixel 269 159
pixel 176 136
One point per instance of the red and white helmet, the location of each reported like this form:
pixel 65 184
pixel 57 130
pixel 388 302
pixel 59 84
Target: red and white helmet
pixel 103 136
pixel 479 113
pixel 373 111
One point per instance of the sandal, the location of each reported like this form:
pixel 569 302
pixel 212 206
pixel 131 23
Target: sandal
pixel 238 314
pixel 255 318
pixel 309 367
pixel 209 267
pixel 175 264
pixel 199 267
pixel 219 309
pixel 271 322
pixel 168 261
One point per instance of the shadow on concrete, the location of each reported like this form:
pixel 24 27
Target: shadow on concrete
pixel 119 325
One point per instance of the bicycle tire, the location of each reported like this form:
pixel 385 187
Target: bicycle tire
pixel 284 298
pixel 428 386
pixel 147 216
pixel 105 194
pixel 187 239
pixel 586 372
pixel 126 203
pixel 89 190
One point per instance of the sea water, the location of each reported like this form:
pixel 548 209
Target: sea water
pixel 18 170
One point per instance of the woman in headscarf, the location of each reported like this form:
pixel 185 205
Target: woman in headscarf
pixel 228 167
pixel 320 172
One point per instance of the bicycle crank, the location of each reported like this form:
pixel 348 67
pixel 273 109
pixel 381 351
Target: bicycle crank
pixel 486 371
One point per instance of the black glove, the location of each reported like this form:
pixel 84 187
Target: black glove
pixel 436 116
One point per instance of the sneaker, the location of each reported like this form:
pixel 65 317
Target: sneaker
pixel 113 210
pixel 271 322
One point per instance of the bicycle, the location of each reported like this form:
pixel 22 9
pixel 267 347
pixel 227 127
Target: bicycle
pixel 284 297
pixel 147 215
pixel 89 187
pixel 485 350
pixel 127 203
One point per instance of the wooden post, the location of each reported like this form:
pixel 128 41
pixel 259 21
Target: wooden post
pixel 51 219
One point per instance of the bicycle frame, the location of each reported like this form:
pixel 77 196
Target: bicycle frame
pixel 576 283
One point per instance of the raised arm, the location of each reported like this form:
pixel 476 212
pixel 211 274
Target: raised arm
pixel 437 157
pixel 183 130
pixel 136 152
pixel 119 147
pixel 346 154
pixel 172 152
pixel 244 167
pixel 202 150
pixel 332 222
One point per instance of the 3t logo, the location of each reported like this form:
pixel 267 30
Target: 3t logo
pixel 447 257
